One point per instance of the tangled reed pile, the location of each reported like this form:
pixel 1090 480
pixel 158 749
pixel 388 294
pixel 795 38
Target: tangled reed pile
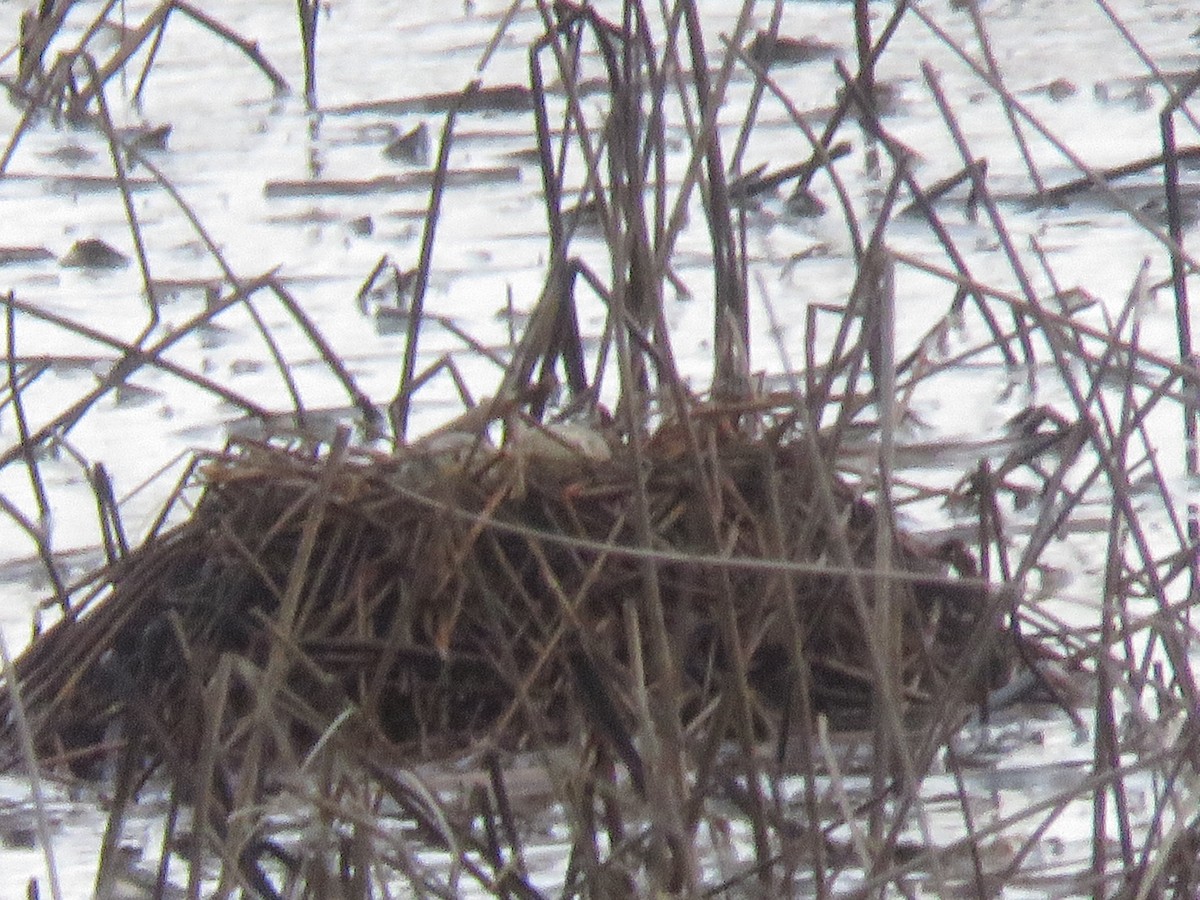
pixel 444 599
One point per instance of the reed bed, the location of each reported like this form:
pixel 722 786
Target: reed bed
pixel 686 633
pixel 419 606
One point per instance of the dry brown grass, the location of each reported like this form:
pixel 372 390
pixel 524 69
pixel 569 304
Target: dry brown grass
pixel 346 658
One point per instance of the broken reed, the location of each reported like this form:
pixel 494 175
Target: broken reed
pixel 654 773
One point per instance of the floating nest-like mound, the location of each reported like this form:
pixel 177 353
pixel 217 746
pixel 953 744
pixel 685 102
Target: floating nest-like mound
pixel 433 600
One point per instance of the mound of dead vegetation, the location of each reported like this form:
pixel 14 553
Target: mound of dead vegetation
pixel 454 595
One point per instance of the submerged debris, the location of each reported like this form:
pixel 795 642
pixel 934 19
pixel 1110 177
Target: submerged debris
pixel 11 255
pixel 767 49
pixel 93 253
pixel 412 146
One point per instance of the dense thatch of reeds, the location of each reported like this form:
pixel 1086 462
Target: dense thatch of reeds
pixel 451 597
pixel 454 598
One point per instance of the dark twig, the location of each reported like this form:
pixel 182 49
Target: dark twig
pixel 399 409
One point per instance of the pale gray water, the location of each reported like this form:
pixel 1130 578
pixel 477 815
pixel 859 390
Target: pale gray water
pixel 231 138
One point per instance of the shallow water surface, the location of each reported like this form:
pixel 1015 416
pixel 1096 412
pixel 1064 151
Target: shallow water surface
pixel 314 197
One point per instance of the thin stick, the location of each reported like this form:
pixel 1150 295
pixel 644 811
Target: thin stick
pixel 307 11
pixel 1116 199
pixel 17 707
pixel 157 19
pixel 1191 408
pixel 1075 186
pixel 135 229
pixel 400 406
pixel 990 58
